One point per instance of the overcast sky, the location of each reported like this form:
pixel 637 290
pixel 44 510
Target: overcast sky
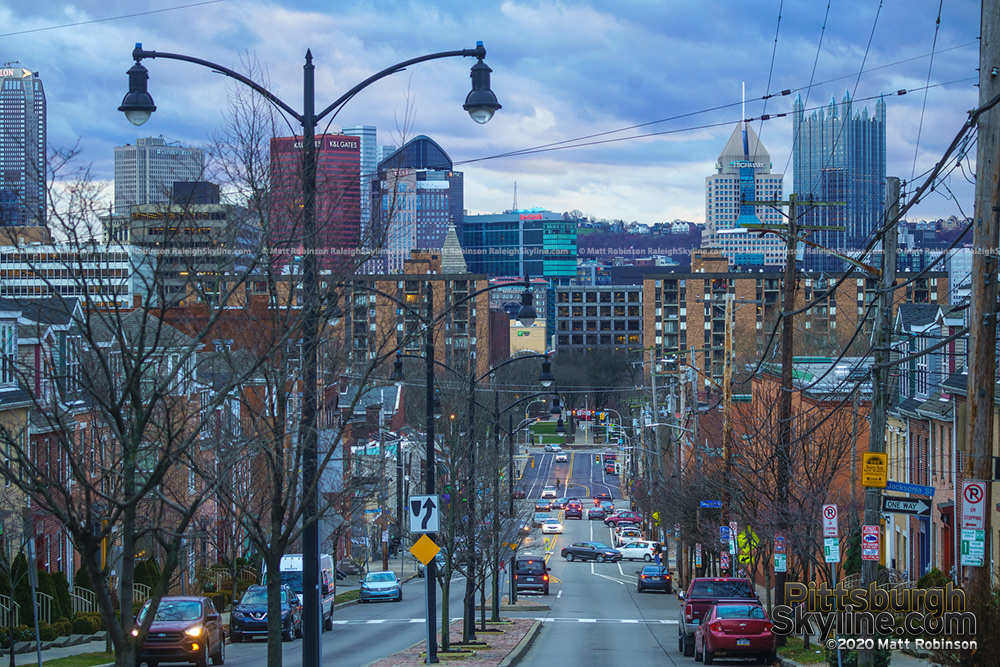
pixel 561 70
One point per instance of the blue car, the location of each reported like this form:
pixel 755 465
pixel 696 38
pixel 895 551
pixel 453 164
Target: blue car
pixel 382 585
pixel 249 616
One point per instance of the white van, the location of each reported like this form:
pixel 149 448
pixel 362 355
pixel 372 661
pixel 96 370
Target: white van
pixel 291 574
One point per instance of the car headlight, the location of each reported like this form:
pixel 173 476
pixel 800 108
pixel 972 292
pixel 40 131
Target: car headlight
pixel 237 614
pixel 194 631
pixel 135 632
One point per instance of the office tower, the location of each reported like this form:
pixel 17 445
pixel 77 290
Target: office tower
pixel 839 156
pixel 369 163
pixel 415 200
pixel 338 206
pixel 22 148
pixel 743 173
pixel 145 173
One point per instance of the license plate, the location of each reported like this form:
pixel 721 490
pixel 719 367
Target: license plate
pixel 743 642
pixel 529 579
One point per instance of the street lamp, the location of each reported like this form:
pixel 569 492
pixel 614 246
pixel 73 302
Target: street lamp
pixel 481 103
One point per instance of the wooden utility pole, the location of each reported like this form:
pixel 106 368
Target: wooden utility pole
pixel 983 309
pixel 880 378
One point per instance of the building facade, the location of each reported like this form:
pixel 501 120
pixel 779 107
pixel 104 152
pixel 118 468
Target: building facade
pixel 22 148
pixel 591 316
pixel 145 173
pixel 369 164
pixel 338 200
pixel 743 173
pixel 100 276
pixel 839 155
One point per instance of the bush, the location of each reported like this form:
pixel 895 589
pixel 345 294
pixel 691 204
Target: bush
pixel 83 625
pixel 146 572
pixel 94 618
pixel 83 580
pixel 61 586
pixel 850 658
pixel 934 578
pixel 221 600
pixel 46 632
pixel 63 627
pixel 23 633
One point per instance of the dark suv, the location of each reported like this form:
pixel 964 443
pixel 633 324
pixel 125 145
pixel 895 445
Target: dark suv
pixel 249 617
pixel 184 629
pixel 574 510
pixel 531 575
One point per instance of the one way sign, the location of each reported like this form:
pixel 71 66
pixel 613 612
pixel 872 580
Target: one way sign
pixel 424 517
pixel 906 506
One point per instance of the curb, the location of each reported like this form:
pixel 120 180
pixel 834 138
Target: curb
pixel 522 647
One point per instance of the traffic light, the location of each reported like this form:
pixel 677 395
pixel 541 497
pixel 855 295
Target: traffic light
pixel 597 458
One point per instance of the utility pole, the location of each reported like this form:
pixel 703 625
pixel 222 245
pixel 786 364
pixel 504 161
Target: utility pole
pixel 647 485
pixel 880 378
pixel 727 407
pixel 983 309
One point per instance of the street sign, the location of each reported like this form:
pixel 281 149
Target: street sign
pixel 869 542
pixel 780 562
pixel 372 511
pixel 732 537
pixel 425 549
pixel 903 487
pixel 724 561
pixel 697 554
pixel 830 521
pixel 424 514
pixel 917 506
pixel 973 547
pixel 724 534
pixel 385 535
pixel 973 505
pixel 874 469
pixel 831 549
pixel 710 504
pixel 779 544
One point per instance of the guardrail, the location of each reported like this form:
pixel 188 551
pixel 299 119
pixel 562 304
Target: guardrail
pixel 8 607
pixel 83 600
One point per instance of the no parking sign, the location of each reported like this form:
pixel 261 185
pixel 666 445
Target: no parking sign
pixel 869 542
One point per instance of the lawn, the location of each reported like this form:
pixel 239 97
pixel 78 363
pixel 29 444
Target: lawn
pixel 793 651
pixel 346 596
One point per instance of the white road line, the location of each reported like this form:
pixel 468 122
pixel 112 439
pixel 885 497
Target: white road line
pixel 418 620
pixel 630 620
pixel 587 620
pixel 376 621
pixel 341 622
pixel 559 594
pixel 604 576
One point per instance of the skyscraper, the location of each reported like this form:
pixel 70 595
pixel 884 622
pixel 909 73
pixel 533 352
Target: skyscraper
pixel 839 157
pixel 338 206
pixel 743 173
pixel 369 163
pixel 22 148
pixel 145 173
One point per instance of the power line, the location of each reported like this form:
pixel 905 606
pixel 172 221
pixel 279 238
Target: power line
pixel 109 18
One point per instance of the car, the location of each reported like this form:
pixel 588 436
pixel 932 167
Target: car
pixel 654 578
pixel 290 569
pixel 249 616
pixel 596 513
pixel 552 448
pixel 609 507
pixel 531 574
pixel 639 550
pixel 602 496
pixel 702 593
pixel 381 585
pixel 735 629
pixel 609 469
pixel 439 560
pixel 624 515
pixel 549 492
pixel 185 628
pixel 627 535
pixel 591 551
pixel 542 506
pixel 559 503
pixel 562 457
pixel 517 493
pixel 574 510
pixel 552 527
pixel 540 518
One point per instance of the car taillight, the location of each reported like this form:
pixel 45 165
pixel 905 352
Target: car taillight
pixel 545 577
pixel 642 576
pixel 767 627
pixel 716 627
pixel 688 612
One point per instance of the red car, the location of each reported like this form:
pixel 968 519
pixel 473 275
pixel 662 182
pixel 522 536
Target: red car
pixel 185 629
pixel 735 629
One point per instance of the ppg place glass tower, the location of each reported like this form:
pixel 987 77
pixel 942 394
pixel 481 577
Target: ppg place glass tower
pixel 22 148
pixel 839 156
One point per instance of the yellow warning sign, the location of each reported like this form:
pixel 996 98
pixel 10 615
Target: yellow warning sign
pixel 874 469
pixel 424 549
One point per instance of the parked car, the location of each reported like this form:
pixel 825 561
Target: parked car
pixel 249 616
pixel 439 560
pixel 531 574
pixel 184 629
pixel 591 551
pixel 735 629
pixel 596 513
pixel 609 469
pixel 639 550
pixel 381 585
pixel 549 492
pixel 552 527
pixel 574 510
pixel 702 593
pixel 654 578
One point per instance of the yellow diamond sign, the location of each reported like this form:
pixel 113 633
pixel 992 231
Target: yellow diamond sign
pixel 424 549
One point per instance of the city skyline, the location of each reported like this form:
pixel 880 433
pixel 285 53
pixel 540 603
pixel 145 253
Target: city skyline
pixel 561 72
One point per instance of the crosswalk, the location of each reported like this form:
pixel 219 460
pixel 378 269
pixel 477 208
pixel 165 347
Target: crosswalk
pixel 543 619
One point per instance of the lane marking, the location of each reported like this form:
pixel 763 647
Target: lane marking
pixel 559 594
pixel 604 576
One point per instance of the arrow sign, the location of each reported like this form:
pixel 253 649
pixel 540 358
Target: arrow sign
pixel 906 506
pixel 424 515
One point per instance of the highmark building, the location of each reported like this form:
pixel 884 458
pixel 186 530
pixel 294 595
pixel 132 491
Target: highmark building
pixel 743 173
